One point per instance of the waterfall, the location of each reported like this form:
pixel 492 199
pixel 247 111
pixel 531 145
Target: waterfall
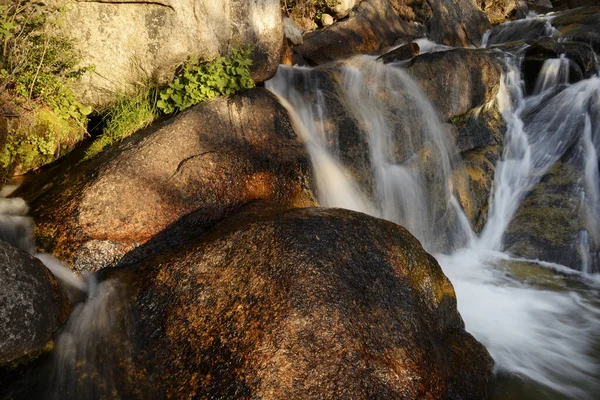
pixel 539 320
pixel 95 337
pixel 402 171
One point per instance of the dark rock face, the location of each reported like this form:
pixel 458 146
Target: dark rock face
pixel 582 60
pixel 32 306
pixel 583 56
pixel 457 81
pixel 304 303
pixel 402 53
pixel 580 25
pixel 373 26
pixel 214 157
pixel 565 4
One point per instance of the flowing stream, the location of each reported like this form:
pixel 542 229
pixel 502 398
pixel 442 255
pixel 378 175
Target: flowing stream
pixel 539 320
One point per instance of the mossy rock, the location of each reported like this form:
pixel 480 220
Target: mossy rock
pixel 548 223
pixel 32 136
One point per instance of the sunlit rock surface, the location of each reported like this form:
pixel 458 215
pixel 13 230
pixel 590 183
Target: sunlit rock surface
pixel 214 157
pixel 130 42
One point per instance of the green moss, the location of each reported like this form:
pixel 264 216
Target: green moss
pixel 37 139
pixel 534 274
pixel 29 358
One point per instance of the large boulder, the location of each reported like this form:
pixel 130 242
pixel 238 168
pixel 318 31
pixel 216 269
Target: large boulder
pixel 133 41
pixel 458 80
pixel 214 157
pixel 32 307
pixel 306 303
pixel 373 26
pixel 550 223
pixel 457 23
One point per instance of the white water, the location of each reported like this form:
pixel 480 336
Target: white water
pixel 410 155
pixel 539 320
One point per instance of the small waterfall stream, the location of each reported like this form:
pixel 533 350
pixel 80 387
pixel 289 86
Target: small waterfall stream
pixel 539 320
pixel 402 171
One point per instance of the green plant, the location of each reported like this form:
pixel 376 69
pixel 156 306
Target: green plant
pixel 196 83
pixel 37 64
pixel 129 114
pixel 38 139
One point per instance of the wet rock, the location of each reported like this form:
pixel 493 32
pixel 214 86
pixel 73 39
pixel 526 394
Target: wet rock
pixel 534 58
pixel 402 53
pixel 160 35
pixel 543 6
pixel 456 23
pixel 580 25
pixel 479 138
pixel 457 81
pixel 582 60
pixel 549 223
pixel 32 307
pixel 519 31
pixel 214 157
pixel 583 55
pixel 311 303
pixel 373 26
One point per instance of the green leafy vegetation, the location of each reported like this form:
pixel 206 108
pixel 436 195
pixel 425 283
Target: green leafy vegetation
pixel 129 114
pixel 37 67
pixel 196 83
pixel 193 84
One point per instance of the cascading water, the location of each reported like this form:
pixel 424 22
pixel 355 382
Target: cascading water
pixel 539 320
pixel 99 319
pixel 405 176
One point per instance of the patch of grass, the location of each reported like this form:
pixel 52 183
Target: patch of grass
pixel 129 114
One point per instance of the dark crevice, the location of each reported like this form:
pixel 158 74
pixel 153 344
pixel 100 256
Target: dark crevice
pixel 185 160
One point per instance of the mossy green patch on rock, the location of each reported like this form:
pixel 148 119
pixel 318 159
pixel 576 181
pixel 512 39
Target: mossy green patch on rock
pixel 35 137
